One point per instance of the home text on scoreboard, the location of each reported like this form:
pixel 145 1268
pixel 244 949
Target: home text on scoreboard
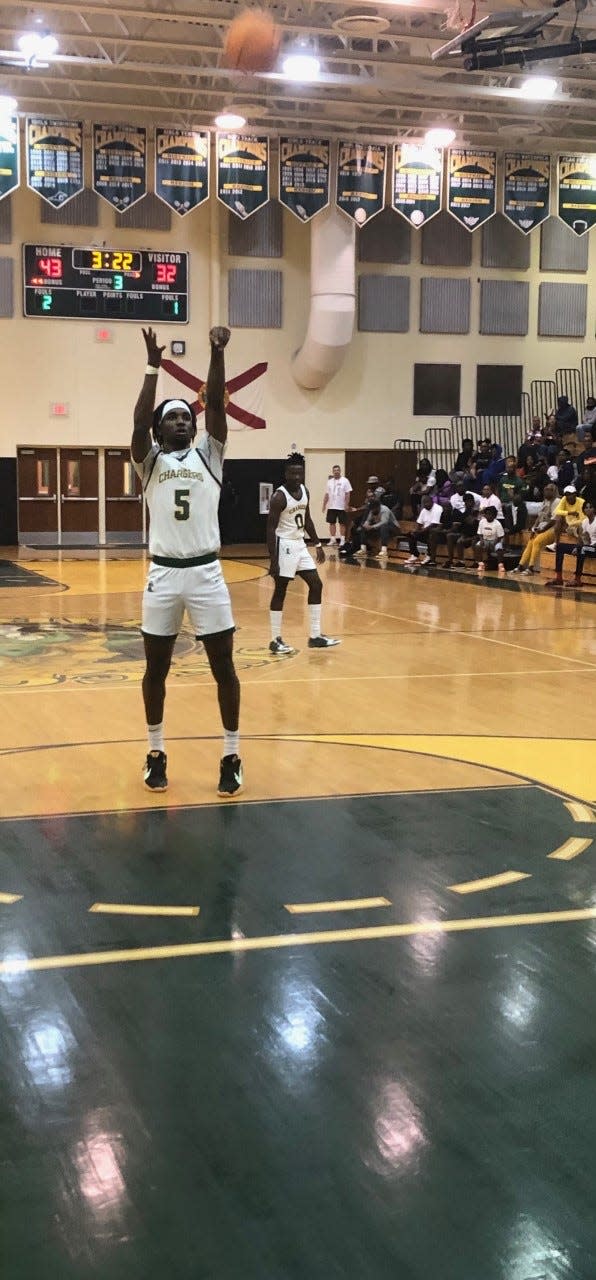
pixel 79 283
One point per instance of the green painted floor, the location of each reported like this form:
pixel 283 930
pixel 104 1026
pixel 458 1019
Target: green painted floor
pixel 418 1107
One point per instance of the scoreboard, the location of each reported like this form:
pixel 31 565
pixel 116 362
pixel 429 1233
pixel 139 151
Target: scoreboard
pixel 105 284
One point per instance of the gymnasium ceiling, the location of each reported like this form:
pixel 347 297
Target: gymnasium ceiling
pixel 159 61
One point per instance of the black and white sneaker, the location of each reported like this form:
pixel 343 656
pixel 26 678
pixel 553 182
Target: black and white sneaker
pixel 230 777
pixel 155 776
pixel 322 642
pixel 280 646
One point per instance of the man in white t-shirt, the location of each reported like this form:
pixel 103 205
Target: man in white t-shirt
pixel 336 504
pixel 427 530
pixel 491 535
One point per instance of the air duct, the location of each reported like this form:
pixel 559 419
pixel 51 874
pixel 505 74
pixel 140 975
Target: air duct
pixel 332 300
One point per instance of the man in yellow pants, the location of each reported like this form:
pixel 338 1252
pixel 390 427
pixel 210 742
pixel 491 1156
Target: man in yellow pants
pixel 541 532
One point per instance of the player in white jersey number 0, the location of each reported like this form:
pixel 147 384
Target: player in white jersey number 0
pixel 289 523
pixel 182 478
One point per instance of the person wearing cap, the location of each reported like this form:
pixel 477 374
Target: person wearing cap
pixel 182 478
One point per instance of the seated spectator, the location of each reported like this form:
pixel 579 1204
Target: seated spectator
pixel 533 439
pixel 443 488
pixel 463 531
pixel 588 453
pixel 541 531
pixel 429 519
pixel 482 457
pixel 488 498
pixel 564 473
pixel 491 536
pixel 456 500
pixel 588 423
pixel 493 472
pixel 424 483
pixel 569 513
pixel 534 479
pixel 580 542
pixel 565 417
pixel 510 482
pixel 516 514
pixel 379 526
pixel 550 443
pixel 463 462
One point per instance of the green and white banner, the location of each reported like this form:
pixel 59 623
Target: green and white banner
pixel 472 181
pixel 55 159
pixel 120 164
pixel 526 189
pixel 242 173
pixel 361 180
pixel 576 191
pixel 9 155
pixel 304 176
pixel 181 168
pixel 417 182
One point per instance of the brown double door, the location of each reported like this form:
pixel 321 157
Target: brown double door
pixel 124 498
pixel 37 481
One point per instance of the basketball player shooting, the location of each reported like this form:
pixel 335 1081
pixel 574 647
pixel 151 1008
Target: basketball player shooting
pixel 182 483
pixel 288 524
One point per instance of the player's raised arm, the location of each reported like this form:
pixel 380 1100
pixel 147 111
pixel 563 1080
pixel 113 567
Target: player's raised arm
pixel 312 533
pixel 215 412
pixel 143 416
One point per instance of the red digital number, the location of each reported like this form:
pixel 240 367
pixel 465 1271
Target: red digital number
pixel 165 273
pixel 50 267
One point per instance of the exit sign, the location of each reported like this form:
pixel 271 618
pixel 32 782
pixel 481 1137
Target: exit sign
pixel 59 409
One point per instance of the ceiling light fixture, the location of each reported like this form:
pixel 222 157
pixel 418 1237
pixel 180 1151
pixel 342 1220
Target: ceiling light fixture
pixel 539 88
pixel 301 61
pixel 442 136
pixel 37 48
pixel 229 120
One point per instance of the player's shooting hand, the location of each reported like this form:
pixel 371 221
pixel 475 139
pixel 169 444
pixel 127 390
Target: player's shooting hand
pixel 154 352
pixel 320 555
pixel 219 337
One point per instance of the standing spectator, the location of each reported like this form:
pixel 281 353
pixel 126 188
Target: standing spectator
pixel 589 419
pixel 581 542
pixel 541 531
pixel 491 536
pixel 463 531
pixel 429 518
pixel 336 504
pixel 565 417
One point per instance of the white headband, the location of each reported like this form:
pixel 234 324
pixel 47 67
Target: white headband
pixel 173 404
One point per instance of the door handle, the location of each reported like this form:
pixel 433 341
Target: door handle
pixel 64 498
pixel 43 497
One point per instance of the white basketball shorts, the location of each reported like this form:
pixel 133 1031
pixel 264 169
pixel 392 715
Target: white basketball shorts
pixel 293 557
pixel 199 589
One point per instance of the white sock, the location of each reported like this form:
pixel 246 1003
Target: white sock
pixel 275 620
pixel 155 735
pixel 314 613
pixel 231 742
pixel 342 540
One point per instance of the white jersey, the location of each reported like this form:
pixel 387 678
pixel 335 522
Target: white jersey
pixel 291 521
pixel 183 491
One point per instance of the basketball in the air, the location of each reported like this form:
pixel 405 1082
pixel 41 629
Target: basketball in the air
pixel 252 42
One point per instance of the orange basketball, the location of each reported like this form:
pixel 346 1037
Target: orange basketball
pixel 252 42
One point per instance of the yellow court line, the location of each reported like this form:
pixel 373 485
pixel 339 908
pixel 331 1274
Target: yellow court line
pixel 345 904
pixel 230 946
pixel 125 909
pixel 580 812
pixel 9 898
pixel 570 849
pixel 490 882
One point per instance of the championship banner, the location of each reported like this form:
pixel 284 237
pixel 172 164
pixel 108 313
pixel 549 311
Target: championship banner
pixel 120 164
pixel 417 182
pixel 576 191
pixel 242 173
pixel 9 155
pixel 471 186
pixel 304 176
pixel 526 190
pixel 55 159
pixel 361 180
pixel 181 168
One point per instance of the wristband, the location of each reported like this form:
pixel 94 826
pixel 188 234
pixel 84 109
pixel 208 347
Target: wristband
pixel 317 544
pixel 151 370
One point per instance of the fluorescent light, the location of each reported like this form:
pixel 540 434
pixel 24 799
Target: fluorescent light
pixel 301 66
pixel 440 137
pixel 229 120
pixel 539 87
pixel 36 47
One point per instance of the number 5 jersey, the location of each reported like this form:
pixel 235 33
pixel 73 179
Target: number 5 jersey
pixel 182 491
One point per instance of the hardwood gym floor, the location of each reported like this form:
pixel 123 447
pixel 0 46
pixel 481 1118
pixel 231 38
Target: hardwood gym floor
pixel 340 1027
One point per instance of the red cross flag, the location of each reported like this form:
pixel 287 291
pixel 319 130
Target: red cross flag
pixel 246 388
